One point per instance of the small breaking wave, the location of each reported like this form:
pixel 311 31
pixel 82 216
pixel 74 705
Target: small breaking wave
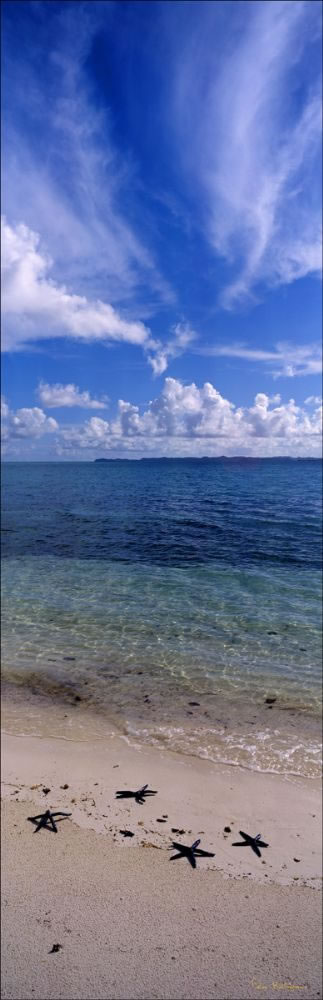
pixel 265 751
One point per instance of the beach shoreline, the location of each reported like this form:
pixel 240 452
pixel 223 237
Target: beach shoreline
pixel 266 735
pixel 85 751
pixel 130 924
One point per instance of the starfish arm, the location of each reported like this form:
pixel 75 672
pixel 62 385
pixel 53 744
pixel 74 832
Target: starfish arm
pixel 239 844
pixel 34 819
pixel 191 859
pixel 256 850
pixel 261 843
pixel 175 856
pixel 244 835
pixel 204 854
pixel 39 825
pixel 196 844
pixel 178 847
pixel 54 827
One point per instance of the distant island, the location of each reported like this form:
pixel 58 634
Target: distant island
pixel 218 458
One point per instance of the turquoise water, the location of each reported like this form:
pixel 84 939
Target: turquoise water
pixel 141 586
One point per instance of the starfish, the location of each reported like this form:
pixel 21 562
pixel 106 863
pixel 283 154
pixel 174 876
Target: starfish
pixel 47 820
pixel 253 842
pixel 190 852
pixel 139 796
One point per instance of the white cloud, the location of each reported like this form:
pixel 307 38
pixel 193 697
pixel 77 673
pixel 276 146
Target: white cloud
pixel 68 395
pixel 35 307
pixel 289 359
pixel 46 309
pixel 73 186
pixel 4 408
pixel 313 401
pixel 25 423
pixel 187 420
pixel 255 158
pixel 183 336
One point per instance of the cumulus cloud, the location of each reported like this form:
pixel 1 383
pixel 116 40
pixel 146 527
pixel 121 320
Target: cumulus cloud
pixel 256 153
pixel 27 422
pixel 42 308
pixel 188 420
pixel 313 401
pixel 57 395
pixel 288 360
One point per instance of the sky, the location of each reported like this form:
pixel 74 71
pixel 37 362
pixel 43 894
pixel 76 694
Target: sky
pixel 161 228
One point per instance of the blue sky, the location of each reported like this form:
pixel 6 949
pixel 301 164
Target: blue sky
pixel 161 245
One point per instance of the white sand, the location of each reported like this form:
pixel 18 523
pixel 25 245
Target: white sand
pixel 132 924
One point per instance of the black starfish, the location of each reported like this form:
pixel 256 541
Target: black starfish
pixel 139 796
pixel 253 842
pixel 47 820
pixel 190 852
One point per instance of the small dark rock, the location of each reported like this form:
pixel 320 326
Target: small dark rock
pixel 175 830
pixel 160 820
pixel 64 786
pixel 45 791
pixel 126 833
pixel 296 859
pixel 56 947
pixel 77 698
pixel 69 658
pixel 227 829
pixel 272 633
pixel 194 703
pixel 270 701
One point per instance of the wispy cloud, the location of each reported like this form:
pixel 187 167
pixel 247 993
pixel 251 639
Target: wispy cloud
pixel 285 360
pixel 257 140
pixel 54 396
pixel 64 174
pixel 181 339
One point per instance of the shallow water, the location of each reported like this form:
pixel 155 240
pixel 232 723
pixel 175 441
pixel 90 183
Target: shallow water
pixel 142 586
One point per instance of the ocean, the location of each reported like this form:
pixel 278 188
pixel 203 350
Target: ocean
pixel 179 598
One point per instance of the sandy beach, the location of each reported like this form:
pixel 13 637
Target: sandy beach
pixel 129 923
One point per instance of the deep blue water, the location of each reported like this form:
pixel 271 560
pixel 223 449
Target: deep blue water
pixel 174 513
pixel 164 579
